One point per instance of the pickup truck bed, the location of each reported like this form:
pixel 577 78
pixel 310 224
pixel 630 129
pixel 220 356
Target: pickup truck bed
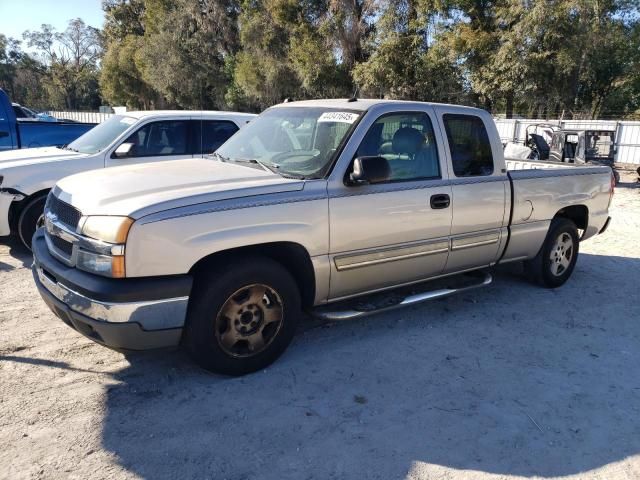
pixel 16 133
pixel 538 189
pixel 32 134
pixel 312 205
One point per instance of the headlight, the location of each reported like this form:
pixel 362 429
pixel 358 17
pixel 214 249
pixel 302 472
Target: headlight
pixel 114 230
pixel 107 229
pixel 105 265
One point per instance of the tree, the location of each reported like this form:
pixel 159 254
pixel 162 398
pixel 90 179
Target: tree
pixel 122 78
pixel 22 76
pixel 351 23
pixel 538 57
pixel 71 58
pixel 185 60
pixel 10 55
pixel 403 64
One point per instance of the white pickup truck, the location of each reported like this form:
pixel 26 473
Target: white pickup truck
pixel 336 207
pixel 27 175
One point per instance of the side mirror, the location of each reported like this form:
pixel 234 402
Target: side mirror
pixel 123 151
pixel 370 170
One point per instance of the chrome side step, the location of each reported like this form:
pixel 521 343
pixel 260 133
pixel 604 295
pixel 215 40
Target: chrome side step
pixel 333 312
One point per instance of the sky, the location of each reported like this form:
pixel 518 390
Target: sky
pixel 16 16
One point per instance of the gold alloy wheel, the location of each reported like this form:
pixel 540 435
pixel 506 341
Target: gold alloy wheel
pixel 561 254
pixel 249 320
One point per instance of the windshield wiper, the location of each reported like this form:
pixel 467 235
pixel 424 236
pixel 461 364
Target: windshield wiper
pixel 265 166
pixel 67 147
pixel 273 168
pixel 295 176
pixel 222 158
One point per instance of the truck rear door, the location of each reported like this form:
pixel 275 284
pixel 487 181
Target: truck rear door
pixel 396 231
pixel 479 188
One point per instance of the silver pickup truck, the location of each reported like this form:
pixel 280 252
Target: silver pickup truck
pixel 338 208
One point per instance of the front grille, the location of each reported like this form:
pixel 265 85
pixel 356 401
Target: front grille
pixel 62 245
pixel 66 214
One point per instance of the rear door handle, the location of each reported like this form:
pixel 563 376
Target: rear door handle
pixel 440 201
pixel 4 134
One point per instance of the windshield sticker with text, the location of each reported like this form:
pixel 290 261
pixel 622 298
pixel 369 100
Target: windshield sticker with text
pixel 344 117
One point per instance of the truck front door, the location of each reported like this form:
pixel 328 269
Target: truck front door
pixel 155 141
pixel 397 231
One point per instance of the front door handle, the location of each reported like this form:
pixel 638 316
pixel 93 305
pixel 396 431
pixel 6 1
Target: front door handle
pixel 4 134
pixel 440 201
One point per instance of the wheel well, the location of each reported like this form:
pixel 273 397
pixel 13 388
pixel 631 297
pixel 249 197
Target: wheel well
pixel 16 207
pixel 579 214
pixel 293 256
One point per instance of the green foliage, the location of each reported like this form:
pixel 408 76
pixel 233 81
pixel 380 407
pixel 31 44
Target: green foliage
pixel 577 58
pixel 63 73
pixel 185 59
pixel 545 57
pixel 403 64
pixel 121 79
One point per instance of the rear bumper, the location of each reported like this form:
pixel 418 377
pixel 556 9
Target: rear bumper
pixel 124 314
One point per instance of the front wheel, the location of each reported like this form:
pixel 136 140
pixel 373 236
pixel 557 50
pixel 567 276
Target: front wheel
pixel 30 219
pixel 557 258
pixel 242 317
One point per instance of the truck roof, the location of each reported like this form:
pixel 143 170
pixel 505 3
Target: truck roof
pixel 190 113
pixel 361 104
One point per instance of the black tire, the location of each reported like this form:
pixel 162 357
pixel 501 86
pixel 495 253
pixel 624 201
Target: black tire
pixel 213 290
pixel 541 269
pixel 28 219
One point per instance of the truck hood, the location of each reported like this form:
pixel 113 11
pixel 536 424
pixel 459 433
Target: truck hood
pixel 32 156
pixel 142 189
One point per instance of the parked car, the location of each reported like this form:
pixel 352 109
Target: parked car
pixel 549 142
pixel 596 147
pixel 537 137
pixel 317 206
pixel 24 113
pixel 26 176
pixel 16 134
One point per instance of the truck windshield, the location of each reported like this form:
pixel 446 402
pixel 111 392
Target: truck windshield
pixel 293 141
pixel 101 136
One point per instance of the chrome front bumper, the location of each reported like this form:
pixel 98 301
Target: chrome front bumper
pixel 151 315
pixel 124 314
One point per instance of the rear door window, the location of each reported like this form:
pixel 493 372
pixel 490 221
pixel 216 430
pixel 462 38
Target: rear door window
pixel 469 145
pixel 209 135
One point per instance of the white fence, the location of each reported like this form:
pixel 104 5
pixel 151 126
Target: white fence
pixel 627 133
pixel 510 130
pixel 86 117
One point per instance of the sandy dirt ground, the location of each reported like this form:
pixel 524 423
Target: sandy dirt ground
pixel 510 381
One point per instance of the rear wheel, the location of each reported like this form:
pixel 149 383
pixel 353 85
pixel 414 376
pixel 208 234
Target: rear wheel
pixel 557 258
pixel 242 316
pixel 30 219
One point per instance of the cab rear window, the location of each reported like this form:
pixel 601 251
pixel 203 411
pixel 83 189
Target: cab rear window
pixel 469 145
